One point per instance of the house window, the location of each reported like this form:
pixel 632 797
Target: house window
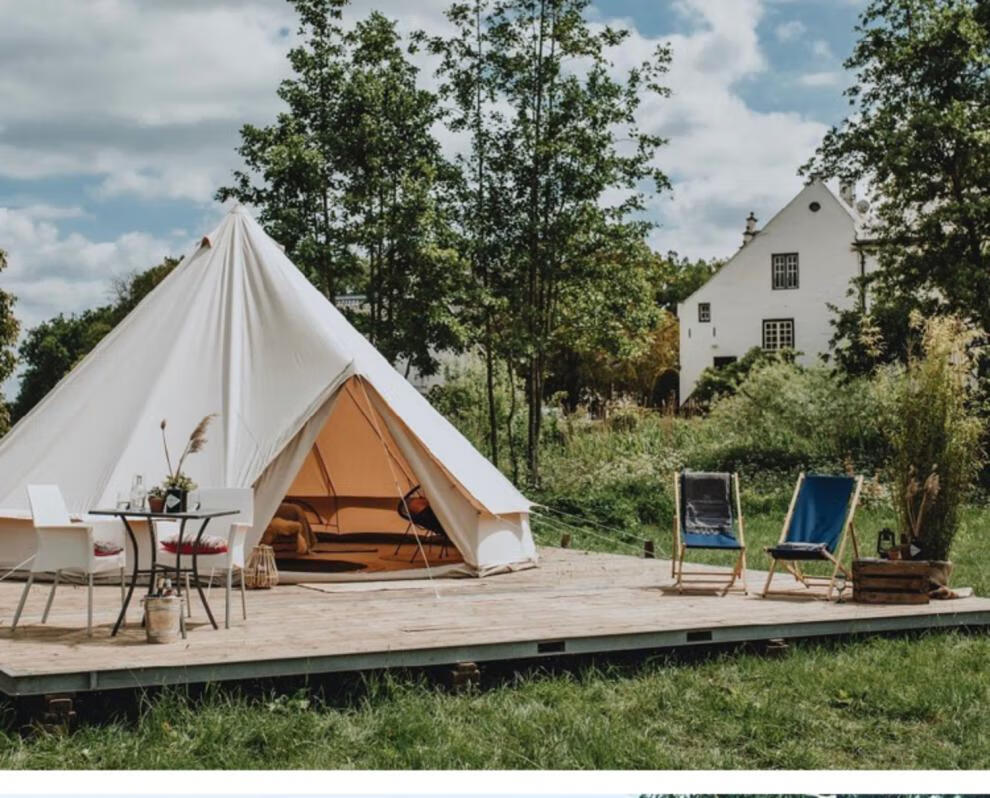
pixel 724 360
pixel 785 270
pixel 704 311
pixel 778 334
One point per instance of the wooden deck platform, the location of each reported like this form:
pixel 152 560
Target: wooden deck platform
pixel 575 603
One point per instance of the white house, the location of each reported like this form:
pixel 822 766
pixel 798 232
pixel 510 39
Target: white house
pixel 775 291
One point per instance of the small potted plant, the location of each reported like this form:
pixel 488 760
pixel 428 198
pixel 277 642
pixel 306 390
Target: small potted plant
pixel 176 486
pixel 156 499
pixel 935 433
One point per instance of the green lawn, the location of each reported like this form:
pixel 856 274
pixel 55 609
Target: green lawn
pixel 908 702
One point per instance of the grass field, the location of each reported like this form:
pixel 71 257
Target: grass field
pixel 907 702
pixel 883 703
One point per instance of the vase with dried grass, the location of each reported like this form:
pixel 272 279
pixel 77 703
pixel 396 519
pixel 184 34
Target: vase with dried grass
pixel 177 485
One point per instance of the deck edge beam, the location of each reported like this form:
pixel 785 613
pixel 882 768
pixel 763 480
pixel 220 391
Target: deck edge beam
pixel 129 678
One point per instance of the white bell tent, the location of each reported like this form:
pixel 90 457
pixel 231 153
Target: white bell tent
pixel 305 406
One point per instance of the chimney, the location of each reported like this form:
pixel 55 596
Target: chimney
pixel 751 231
pixel 848 193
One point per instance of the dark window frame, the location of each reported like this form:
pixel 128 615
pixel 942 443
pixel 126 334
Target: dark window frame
pixel 778 347
pixel 708 308
pixel 785 271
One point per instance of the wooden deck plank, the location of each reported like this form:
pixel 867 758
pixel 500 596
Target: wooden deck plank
pixel 588 599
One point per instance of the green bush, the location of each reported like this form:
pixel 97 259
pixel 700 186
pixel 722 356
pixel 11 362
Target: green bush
pixel 463 399
pixel 714 383
pixel 784 418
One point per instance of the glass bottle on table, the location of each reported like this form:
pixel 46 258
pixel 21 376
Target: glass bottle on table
pixel 138 493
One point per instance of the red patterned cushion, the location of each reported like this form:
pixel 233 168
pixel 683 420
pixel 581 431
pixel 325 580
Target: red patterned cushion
pixel 207 545
pixel 106 548
pixel 417 504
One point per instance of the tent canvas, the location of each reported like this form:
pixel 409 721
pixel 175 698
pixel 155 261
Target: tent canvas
pixel 237 330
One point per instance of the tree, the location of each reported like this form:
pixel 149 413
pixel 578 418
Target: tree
pixel 865 338
pixel 680 277
pixel 350 179
pixel 567 140
pixel 296 159
pixel 9 329
pixel 50 350
pixel 609 327
pixel 918 136
pixel 482 210
pixel 391 179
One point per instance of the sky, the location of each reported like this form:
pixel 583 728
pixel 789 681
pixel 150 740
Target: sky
pixel 119 119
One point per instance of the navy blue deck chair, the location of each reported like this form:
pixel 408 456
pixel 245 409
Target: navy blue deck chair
pixel 818 523
pixel 704 519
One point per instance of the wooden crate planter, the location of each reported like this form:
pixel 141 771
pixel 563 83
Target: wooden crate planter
pixel 890 581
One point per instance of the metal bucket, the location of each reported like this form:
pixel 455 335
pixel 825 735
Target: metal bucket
pixel 163 616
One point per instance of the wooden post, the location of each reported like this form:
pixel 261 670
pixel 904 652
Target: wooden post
pixel 776 647
pixel 464 677
pixel 648 552
pixel 565 540
pixel 742 531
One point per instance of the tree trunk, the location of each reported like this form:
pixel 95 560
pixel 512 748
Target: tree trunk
pixel 510 423
pixel 490 389
pixel 534 398
pixel 325 267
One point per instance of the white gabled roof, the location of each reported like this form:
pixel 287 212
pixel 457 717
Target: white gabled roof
pixel 859 224
pixel 236 330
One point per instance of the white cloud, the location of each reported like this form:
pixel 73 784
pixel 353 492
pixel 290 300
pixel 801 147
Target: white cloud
pixel 148 97
pixel 44 212
pixel 51 272
pixel 789 31
pixel 820 79
pixel 821 48
pixel 724 157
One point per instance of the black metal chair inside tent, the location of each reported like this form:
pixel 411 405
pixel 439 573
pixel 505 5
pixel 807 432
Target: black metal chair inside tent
pixel 415 508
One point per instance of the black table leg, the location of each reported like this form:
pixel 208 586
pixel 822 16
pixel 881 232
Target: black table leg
pixel 154 556
pixel 178 577
pixel 178 557
pixel 134 576
pixel 195 570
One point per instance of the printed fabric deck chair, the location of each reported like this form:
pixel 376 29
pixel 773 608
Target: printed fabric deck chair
pixel 703 519
pixel 818 522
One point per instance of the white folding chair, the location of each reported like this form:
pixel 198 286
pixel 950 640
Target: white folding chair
pixel 240 499
pixel 67 547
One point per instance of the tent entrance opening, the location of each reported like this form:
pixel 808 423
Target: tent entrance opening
pixel 349 507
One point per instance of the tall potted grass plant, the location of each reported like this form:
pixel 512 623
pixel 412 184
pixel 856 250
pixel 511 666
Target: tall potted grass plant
pixel 934 429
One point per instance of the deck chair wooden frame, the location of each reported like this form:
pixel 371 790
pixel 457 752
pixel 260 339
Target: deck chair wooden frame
pixel 719 581
pixel 811 582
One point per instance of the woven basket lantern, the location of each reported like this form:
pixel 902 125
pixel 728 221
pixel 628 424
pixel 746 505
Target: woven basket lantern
pixel 260 572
